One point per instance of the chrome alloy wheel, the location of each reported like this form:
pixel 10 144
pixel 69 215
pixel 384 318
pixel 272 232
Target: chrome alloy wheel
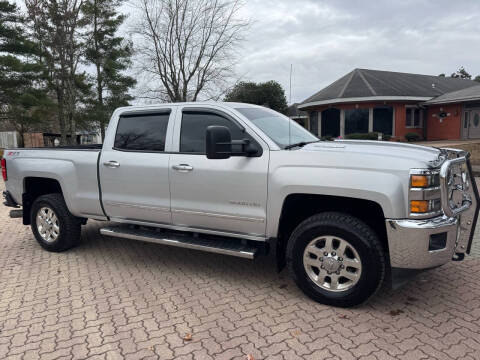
pixel 48 225
pixel 332 263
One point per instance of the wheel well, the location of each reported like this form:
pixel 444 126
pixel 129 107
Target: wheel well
pixel 33 188
pixel 298 207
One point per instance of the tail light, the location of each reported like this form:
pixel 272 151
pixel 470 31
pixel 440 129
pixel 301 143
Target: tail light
pixel 4 169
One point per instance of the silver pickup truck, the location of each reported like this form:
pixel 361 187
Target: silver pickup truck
pixel 243 180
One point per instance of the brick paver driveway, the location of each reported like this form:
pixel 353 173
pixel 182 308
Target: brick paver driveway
pixel 112 298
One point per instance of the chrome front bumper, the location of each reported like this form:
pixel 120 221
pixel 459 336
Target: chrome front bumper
pixel 410 240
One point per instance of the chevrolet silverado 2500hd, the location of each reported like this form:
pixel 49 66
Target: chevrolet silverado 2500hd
pixel 243 180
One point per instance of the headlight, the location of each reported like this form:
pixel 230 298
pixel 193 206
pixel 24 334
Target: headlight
pixel 425 180
pixel 424 199
pixel 425 206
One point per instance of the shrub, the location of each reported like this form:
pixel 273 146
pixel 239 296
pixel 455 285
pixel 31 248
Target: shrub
pixel 411 136
pixel 363 136
pixel 1 153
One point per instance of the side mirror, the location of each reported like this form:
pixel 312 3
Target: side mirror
pixel 218 142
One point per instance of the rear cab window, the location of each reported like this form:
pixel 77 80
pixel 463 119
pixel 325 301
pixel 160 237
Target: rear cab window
pixel 142 132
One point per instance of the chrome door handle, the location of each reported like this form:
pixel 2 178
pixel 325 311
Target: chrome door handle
pixel 111 164
pixel 182 167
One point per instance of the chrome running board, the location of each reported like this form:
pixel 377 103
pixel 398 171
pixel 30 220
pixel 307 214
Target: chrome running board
pixel 233 247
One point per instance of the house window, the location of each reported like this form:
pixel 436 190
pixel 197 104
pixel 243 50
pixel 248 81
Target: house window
pixel 383 119
pixel 356 121
pixel 331 123
pixel 414 117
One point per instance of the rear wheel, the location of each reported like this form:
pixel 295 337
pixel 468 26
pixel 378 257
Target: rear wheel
pixel 336 259
pixel 53 226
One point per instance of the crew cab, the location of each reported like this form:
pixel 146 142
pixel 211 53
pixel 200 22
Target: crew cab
pixel 345 216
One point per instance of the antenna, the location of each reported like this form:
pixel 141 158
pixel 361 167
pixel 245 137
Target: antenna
pixel 290 100
pixel 290 97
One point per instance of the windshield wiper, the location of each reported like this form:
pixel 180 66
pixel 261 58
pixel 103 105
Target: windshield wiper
pixel 299 144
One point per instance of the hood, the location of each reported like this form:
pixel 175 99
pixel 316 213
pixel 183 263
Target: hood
pixel 377 153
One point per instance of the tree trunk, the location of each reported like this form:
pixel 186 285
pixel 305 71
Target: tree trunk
pixel 73 129
pixel 102 130
pixel 61 118
pixel 99 74
pixel 21 142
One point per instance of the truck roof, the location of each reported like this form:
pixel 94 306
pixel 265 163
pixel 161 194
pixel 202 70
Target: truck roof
pixel 220 103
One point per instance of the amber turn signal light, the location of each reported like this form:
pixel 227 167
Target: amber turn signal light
pixel 419 181
pixel 419 206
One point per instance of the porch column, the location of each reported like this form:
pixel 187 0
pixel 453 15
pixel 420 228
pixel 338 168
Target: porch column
pixel 319 127
pixel 393 120
pixel 342 123
pixel 370 119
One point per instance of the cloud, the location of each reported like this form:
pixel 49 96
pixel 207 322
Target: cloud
pixel 326 39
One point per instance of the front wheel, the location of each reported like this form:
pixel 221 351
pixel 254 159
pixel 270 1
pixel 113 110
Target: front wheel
pixel 54 227
pixel 336 259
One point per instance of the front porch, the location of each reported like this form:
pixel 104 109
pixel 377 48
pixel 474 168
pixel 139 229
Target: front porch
pixel 389 118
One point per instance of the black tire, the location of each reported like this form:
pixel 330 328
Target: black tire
pixel 360 236
pixel 69 225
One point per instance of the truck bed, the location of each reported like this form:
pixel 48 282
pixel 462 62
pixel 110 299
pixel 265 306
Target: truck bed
pixel 75 168
pixel 95 147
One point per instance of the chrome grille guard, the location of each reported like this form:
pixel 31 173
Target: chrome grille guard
pixel 449 184
pixel 459 194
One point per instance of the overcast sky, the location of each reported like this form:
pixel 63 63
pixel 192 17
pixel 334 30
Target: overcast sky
pixel 326 39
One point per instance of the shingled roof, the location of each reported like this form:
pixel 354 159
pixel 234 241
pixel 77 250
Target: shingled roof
pixel 293 111
pixel 366 85
pixel 468 94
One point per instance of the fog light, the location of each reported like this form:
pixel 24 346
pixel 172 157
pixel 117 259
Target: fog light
pixel 437 241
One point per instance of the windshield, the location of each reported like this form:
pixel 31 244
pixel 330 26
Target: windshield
pixel 282 130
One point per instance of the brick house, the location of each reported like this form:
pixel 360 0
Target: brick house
pixel 393 103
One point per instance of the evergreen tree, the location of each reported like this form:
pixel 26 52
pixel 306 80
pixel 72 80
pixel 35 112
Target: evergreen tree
pixel 23 96
pixel 57 28
pixel 111 56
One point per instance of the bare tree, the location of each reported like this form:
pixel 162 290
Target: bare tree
pixel 188 46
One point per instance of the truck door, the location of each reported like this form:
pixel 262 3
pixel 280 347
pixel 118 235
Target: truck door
pixel 228 194
pixel 134 165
